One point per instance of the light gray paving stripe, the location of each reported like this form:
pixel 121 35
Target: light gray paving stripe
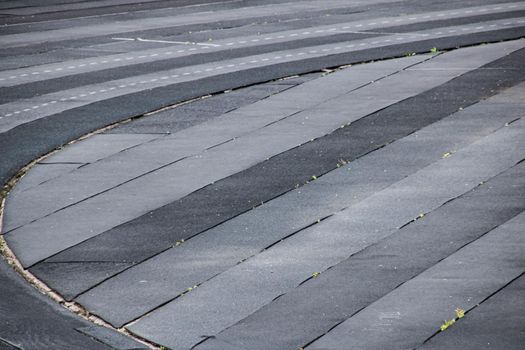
pixel 214 251
pixel 54 70
pixel 116 170
pixel 23 39
pixel 23 111
pixel 322 119
pixel 420 305
pixel 77 155
pixel 98 147
pixel 243 289
pixel 41 173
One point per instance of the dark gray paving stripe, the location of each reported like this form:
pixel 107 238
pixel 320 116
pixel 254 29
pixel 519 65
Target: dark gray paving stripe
pixel 29 90
pixel 234 195
pixel 114 340
pixel 198 112
pixel 487 326
pixel 53 131
pixel 321 303
pixel 84 273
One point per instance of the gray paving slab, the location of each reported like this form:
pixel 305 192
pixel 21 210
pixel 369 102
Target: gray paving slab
pixel 84 273
pixel 462 280
pixel 237 239
pixel 97 147
pixel 41 173
pixel 487 325
pixel 111 338
pixel 321 303
pixel 245 288
pixel 176 119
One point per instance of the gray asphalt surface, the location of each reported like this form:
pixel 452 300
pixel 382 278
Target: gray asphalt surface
pixel 285 204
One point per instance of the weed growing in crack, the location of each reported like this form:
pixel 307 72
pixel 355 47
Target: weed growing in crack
pixel 459 312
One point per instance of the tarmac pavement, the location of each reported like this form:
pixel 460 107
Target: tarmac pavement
pixel 283 175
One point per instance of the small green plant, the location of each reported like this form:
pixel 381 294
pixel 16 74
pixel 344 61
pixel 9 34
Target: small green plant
pixel 459 312
pixel 447 324
pixel 434 50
